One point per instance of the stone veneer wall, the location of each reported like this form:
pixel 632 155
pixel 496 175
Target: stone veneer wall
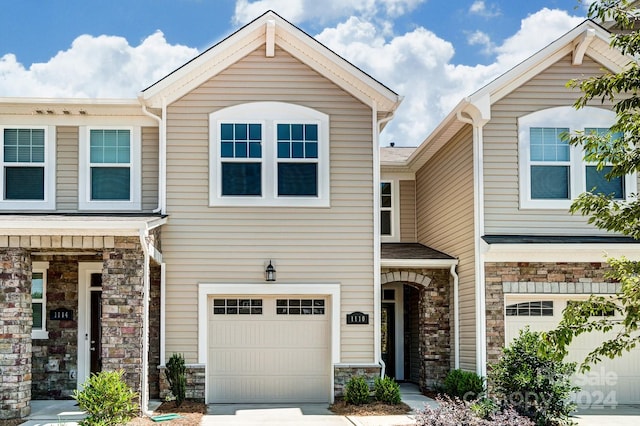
pixel 154 332
pixel 196 379
pixel 15 333
pixel 343 373
pixel 122 289
pixel 535 278
pixel 434 289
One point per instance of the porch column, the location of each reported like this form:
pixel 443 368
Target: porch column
pixel 122 309
pixel 15 333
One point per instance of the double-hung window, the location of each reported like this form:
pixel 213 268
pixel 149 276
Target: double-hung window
pixel 241 159
pixel 39 300
pixel 297 159
pixel 595 180
pixel 110 168
pixel 552 172
pixel 28 168
pixel 269 154
pixel 386 209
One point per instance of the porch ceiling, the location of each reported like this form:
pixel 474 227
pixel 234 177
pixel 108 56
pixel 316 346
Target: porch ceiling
pixel 61 224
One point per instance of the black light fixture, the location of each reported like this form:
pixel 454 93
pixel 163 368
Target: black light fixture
pixel 270 272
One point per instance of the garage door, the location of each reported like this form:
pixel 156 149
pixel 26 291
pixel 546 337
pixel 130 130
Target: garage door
pixel 268 349
pixel 610 382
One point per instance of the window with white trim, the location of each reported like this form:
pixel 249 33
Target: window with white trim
pixel 39 300
pixel 269 154
pixel 110 168
pixel 386 209
pixel 552 172
pixel 28 167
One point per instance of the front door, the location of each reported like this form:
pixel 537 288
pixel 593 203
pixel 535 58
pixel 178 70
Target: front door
pixel 388 340
pixel 89 320
pixel 95 330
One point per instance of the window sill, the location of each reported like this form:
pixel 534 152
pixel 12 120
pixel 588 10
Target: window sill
pixel 39 334
pixel 303 202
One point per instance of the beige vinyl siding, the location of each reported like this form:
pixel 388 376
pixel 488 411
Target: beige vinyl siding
pixel 67 168
pixel 445 222
pixel 502 212
pixel 149 166
pixel 204 244
pixel 407 211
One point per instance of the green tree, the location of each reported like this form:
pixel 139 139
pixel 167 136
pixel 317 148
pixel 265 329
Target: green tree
pixel 622 153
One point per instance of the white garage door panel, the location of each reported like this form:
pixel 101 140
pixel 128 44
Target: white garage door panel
pixel 610 382
pixel 268 357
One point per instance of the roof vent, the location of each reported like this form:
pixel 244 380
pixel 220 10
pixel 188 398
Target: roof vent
pixel 392 144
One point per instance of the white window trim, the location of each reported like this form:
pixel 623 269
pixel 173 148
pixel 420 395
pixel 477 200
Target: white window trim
pixel 269 114
pixel 49 202
pixel 395 211
pixel 84 179
pixel 562 117
pixel 41 267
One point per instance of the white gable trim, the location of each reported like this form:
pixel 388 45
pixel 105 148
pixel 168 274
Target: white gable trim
pixel 271 30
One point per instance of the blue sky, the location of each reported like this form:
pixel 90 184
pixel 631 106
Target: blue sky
pixel 433 52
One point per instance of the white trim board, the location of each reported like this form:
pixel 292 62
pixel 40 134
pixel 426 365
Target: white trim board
pixel 559 252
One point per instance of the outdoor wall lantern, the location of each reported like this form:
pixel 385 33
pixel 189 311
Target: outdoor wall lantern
pixel 270 272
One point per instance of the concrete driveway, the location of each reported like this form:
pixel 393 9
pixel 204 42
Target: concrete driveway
pixel 272 415
pixel 622 415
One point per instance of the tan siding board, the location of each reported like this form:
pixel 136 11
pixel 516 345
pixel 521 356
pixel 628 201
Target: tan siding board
pixel 407 211
pixel 150 166
pixel 205 244
pixel 444 211
pixel 67 168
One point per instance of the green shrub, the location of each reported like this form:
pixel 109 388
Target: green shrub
pixel 176 373
pixel 387 390
pixel 484 407
pixel 357 391
pixel 465 385
pixel 536 385
pixel 107 399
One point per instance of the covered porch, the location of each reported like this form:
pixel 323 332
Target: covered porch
pixel 419 290
pixel 78 294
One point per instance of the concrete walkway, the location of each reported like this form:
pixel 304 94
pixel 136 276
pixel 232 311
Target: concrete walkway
pixel 56 413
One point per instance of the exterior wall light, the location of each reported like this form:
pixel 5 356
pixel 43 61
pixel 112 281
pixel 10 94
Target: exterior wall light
pixel 270 272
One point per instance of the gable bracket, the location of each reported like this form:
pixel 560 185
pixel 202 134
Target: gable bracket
pixel 582 45
pixel 270 36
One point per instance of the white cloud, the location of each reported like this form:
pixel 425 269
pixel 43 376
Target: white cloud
pixel 418 65
pixel 97 67
pixel 322 11
pixel 480 8
pixel 479 38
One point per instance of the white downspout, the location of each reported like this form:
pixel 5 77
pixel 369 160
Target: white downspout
pixel 162 155
pixel 144 392
pixel 478 216
pixel 377 297
pixel 456 316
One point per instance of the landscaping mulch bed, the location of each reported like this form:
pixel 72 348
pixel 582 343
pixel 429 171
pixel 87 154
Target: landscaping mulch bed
pixel 370 409
pixel 190 414
pixel 12 422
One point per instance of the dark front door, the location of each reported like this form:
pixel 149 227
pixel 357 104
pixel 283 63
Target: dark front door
pixel 95 336
pixel 388 340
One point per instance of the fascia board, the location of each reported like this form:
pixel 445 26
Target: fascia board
pixel 559 252
pixel 203 67
pixel 418 263
pixel 531 66
pixel 77 226
pixel 335 68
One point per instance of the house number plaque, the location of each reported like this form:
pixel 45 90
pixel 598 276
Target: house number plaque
pixel 357 318
pixel 60 314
